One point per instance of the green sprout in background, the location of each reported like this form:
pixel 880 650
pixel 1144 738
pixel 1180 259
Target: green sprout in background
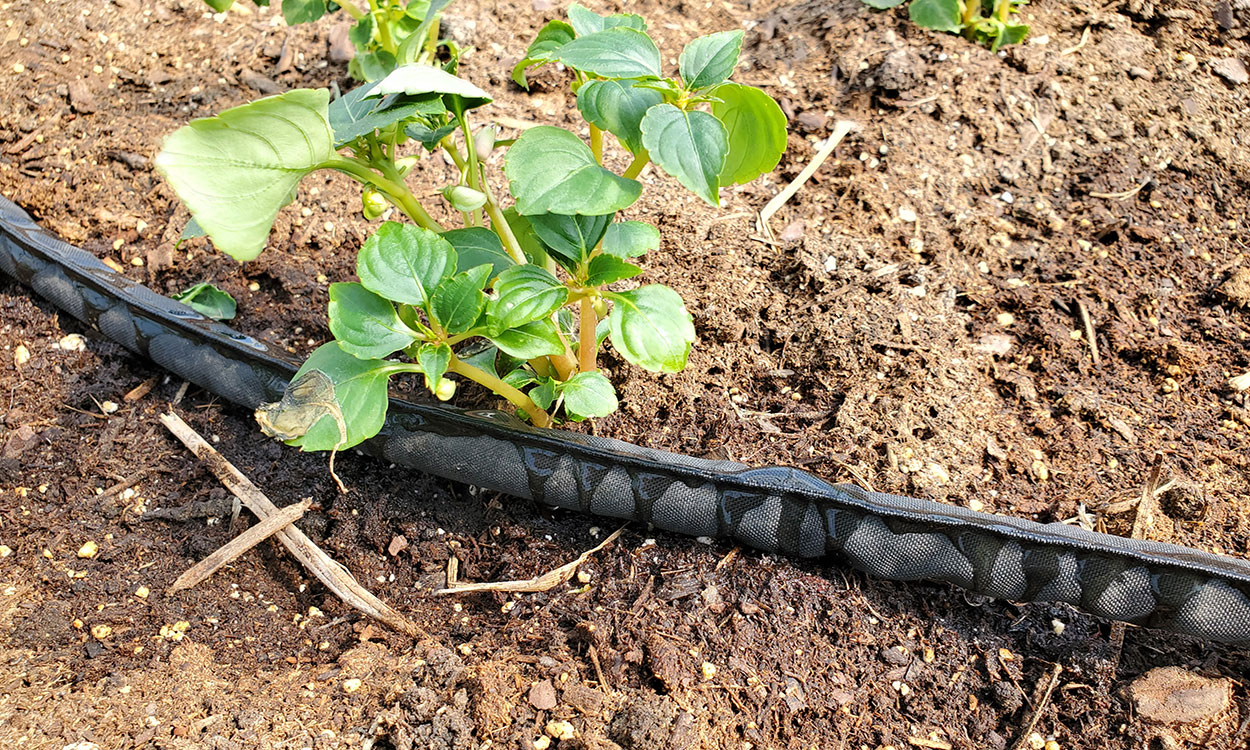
pixel 991 22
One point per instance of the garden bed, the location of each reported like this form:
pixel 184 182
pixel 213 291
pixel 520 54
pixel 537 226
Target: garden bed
pixel 917 326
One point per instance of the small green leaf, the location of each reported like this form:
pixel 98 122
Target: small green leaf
pixel 651 328
pixel 588 394
pixel 550 170
pixel 359 390
pixel 365 324
pixel 550 38
pixel 483 359
pixel 605 269
pixel 220 6
pixel 519 378
pixel 302 11
pixel 359 112
pixel 587 21
pixel 710 59
pixel 191 230
pixel 236 170
pixel 477 245
pixel 883 4
pixel 620 52
pixel 208 300
pixel 525 293
pixel 939 15
pixel 458 302
pixel 361 33
pixel 433 359
pixel 428 136
pixel 536 339
pixel 570 237
pixel 544 394
pixel 756 129
pixel 415 79
pixel 1009 34
pixel 690 146
pixel 412 46
pixel 629 239
pixel 405 263
pixel 371 65
pixel 618 107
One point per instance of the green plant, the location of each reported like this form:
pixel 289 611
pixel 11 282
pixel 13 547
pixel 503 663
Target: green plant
pixel 520 298
pixel 208 300
pixel 991 22
pixel 386 35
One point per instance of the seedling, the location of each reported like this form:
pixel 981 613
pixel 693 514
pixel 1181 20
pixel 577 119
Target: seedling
pixel 521 298
pixel 989 22
pixel 387 34
pixel 208 300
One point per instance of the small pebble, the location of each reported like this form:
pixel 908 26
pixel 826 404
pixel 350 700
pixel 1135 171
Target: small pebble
pixel 351 686
pixel 21 355
pixel 907 214
pixel 5 551
pixel 73 342
pixel 709 670
pixel 1006 319
pixel 19 68
pixel 100 632
pixel 542 743
pixel 1007 197
pixel 561 730
pixel 142 592
pixel 109 407
pixel 88 549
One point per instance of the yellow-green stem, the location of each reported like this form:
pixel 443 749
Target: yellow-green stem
pixel 586 336
pixel 640 162
pixel 541 366
pixel 596 143
pixel 391 185
pixel 350 9
pixel 514 396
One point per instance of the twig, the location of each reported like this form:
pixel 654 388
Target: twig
pixel 124 484
pixel 1023 739
pixel 1078 45
pixel 1089 332
pixel 1125 194
pixel 332 574
pixel 30 137
pixel 932 744
pixel 594 659
pixel 544 582
pixel 232 549
pixel 839 132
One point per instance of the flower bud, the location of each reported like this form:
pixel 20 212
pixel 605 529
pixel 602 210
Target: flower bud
pixel 484 142
pixel 600 306
pixel 445 390
pixel 372 203
pixel 406 163
pixel 464 198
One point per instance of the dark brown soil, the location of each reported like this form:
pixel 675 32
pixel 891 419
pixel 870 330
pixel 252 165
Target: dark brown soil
pixel 917 327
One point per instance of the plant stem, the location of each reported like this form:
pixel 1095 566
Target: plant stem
pixel 391 185
pixel 586 325
pixel 968 11
pixel 640 162
pixel 1003 10
pixel 596 143
pixel 350 9
pixel 514 396
pixel 500 224
pixel 382 19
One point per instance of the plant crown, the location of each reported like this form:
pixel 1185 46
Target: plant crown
pixel 520 298
pixel 991 22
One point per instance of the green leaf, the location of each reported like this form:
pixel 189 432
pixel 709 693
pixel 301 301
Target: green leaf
pixel 302 11
pixel 365 324
pixel 536 339
pixel 525 235
pixel 605 269
pixel 542 50
pixel 477 245
pixel 220 6
pixel 519 378
pixel 756 129
pixel 621 52
pixel 483 359
pixel 618 107
pixel 359 111
pixel 433 359
pixel 405 263
pixel 939 15
pixel 544 394
pixel 629 239
pixel 361 33
pixel 550 170
pixel 190 231
pixel 359 391
pixel 412 46
pixel 570 237
pixel 208 300
pixel 428 136
pixel 415 79
pixel 587 21
pixel 236 170
pixel 1008 34
pixel 588 394
pixel 710 59
pixel 651 328
pixel 883 4
pixel 524 294
pixel 371 65
pixel 690 146
pixel 458 302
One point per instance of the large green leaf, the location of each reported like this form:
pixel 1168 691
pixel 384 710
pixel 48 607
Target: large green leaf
pixel 651 328
pixel 550 170
pixel 629 239
pixel 302 11
pixel 415 79
pixel 405 263
pixel 710 59
pixel 690 146
pixel 365 324
pixel 588 394
pixel 236 170
pixel 359 111
pixel 939 15
pixel 360 393
pixel 459 301
pixel 542 50
pixel 618 107
pixel 586 21
pixel 477 245
pixel 620 52
pixel 756 129
pixel 536 339
pixel 411 47
pixel 605 269
pixel 524 294
pixel 570 237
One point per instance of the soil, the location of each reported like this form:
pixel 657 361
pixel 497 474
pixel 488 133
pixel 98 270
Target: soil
pixel 918 326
